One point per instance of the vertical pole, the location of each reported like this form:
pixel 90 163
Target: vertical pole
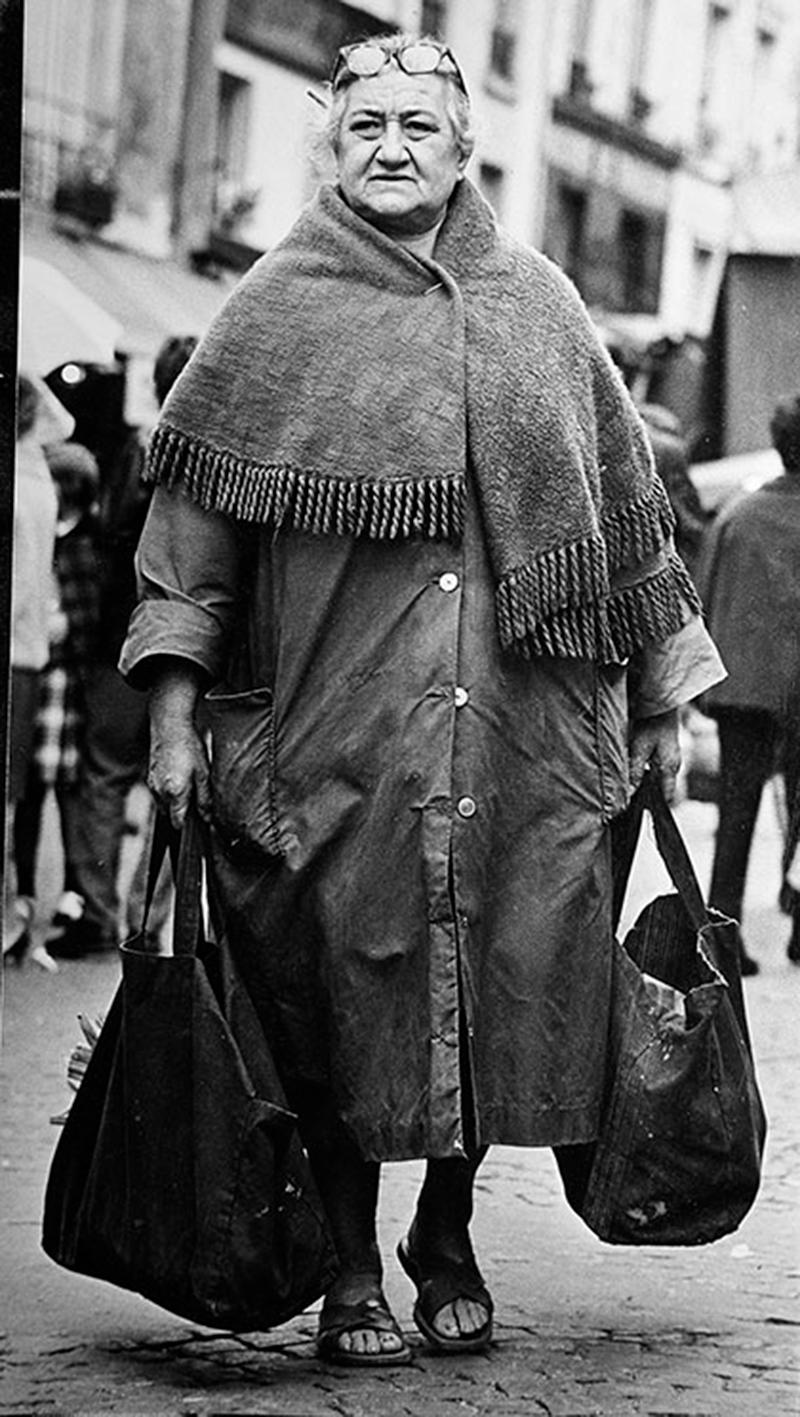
pixel 10 210
pixel 194 169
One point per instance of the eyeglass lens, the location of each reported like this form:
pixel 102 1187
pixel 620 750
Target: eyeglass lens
pixel 367 60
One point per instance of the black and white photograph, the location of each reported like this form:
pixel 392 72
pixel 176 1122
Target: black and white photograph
pixel 400 625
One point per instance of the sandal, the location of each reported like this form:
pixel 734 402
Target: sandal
pixel 447 1281
pixel 371 1313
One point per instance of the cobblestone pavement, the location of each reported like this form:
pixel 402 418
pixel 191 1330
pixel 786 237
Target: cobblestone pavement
pixel 582 1328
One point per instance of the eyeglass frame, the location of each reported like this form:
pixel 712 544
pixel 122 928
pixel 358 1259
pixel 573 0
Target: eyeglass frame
pixel 341 64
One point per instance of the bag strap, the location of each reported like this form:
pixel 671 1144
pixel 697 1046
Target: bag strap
pixel 164 839
pixel 187 851
pixel 626 830
pixel 674 852
pixel 188 916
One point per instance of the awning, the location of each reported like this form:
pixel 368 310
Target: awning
pixel 59 322
pixel 149 299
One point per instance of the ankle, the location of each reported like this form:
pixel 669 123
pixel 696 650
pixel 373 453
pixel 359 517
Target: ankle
pixel 360 1261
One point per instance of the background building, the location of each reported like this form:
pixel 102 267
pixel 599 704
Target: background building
pixel 617 135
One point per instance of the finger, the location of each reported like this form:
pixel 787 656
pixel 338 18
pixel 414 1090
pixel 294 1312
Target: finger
pixel 669 769
pixel 638 762
pixel 669 783
pixel 178 808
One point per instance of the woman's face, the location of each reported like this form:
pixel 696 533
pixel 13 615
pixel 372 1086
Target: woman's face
pixel 398 159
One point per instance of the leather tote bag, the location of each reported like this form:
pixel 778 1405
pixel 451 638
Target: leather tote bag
pixel 678 1157
pixel 179 1172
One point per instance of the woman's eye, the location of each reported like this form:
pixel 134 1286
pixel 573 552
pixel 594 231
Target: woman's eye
pixel 365 127
pixel 417 129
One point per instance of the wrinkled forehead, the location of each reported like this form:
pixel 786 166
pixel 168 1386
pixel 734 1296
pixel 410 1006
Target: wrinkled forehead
pixel 392 91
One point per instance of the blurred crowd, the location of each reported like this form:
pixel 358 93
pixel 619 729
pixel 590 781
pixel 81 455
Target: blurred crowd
pixel 76 729
pixel 79 731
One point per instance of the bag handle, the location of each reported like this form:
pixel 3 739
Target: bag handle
pixel 188 917
pixel 674 852
pixel 186 850
pixel 671 846
pixel 163 839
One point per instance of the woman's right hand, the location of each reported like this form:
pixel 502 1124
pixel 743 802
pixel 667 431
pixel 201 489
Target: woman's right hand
pixel 179 769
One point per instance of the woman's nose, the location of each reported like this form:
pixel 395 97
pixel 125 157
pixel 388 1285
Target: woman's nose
pixel 393 143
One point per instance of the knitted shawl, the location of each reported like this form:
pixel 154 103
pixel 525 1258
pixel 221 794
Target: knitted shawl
pixel 348 387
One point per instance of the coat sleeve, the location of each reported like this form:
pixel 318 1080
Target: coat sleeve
pixel 666 674
pixel 188 567
pixel 675 671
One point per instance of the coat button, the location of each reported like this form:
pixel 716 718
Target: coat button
pixel 448 582
pixel 460 696
pixel 466 807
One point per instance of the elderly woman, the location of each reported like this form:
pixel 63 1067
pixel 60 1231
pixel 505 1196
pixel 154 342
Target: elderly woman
pixel 408 533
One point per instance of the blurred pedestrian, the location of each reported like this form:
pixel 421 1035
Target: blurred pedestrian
pixel 116 738
pixel 41 420
pixel 750 581
pixel 60 716
pixel 672 465
pixel 407 523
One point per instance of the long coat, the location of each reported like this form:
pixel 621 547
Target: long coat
pixel 425 921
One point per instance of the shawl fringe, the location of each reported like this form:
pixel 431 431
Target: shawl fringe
pixel 563 577
pixel 280 495
pixel 638 530
pixel 609 629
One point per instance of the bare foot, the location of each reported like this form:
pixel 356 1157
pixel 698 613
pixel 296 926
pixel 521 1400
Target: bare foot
pixel 461 1319
pixel 356 1323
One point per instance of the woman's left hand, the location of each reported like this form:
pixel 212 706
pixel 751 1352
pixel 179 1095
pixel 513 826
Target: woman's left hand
pixel 655 742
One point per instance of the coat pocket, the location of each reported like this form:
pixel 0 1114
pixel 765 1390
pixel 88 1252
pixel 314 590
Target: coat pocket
pixel 242 730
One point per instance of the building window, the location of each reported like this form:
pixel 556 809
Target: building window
pixel 712 81
pixel 572 220
pixel 503 51
pixel 638 103
pixel 762 134
pixel 633 260
pixel 491 180
pixel 433 20
pixel 579 82
pixel 232 201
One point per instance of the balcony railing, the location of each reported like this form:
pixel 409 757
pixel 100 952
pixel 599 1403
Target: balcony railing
pixel 67 148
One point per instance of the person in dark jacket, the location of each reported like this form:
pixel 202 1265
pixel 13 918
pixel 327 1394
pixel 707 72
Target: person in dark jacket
pixel 750 581
pixel 672 465
pixel 115 747
pixel 424 639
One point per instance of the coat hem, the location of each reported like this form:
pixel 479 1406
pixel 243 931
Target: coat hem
pixel 546 1130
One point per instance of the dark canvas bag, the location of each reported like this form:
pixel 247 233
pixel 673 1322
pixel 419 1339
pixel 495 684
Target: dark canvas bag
pixel 179 1172
pixel 678 1157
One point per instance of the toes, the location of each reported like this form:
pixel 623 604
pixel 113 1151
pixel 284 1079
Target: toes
pixel 390 1342
pixel 446 1323
pixel 366 1341
pixel 460 1319
pixel 470 1316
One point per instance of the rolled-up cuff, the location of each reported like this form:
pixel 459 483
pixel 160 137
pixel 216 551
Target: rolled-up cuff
pixel 674 672
pixel 175 629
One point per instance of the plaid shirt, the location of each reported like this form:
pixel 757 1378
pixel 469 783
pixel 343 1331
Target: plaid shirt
pixel 60 716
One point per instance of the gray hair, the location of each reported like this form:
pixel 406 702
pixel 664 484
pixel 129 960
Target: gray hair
pixel 459 109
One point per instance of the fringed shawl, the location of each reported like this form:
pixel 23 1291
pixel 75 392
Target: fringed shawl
pixel 347 387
